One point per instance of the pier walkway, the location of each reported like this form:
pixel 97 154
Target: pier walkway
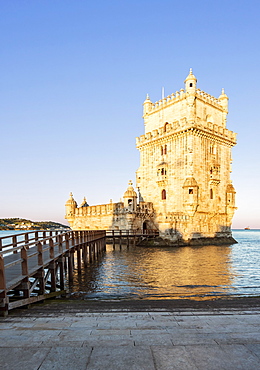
pixel 34 265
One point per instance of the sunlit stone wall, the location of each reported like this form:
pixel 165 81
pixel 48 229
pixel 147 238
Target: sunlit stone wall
pixel 185 163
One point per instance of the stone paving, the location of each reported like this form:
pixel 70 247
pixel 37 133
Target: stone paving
pixel 188 339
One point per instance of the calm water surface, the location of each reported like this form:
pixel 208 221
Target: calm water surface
pixel 177 272
pixel 169 273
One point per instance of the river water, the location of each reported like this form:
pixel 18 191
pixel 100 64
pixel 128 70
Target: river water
pixel 177 272
pixel 169 273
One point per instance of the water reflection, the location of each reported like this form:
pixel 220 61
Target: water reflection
pixel 156 273
pixel 169 273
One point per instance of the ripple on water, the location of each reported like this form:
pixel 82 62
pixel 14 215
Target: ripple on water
pixel 171 273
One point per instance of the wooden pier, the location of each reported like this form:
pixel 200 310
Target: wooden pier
pixel 127 236
pixel 34 265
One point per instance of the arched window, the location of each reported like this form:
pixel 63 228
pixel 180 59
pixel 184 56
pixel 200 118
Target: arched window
pixel 161 150
pixel 162 171
pixel 190 84
pixel 163 194
pixel 165 149
pixel 211 193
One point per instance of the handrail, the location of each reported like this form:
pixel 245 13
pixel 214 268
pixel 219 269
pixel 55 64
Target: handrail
pixel 131 232
pixel 62 240
pixel 26 237
pixel 31 257
pixel 60 236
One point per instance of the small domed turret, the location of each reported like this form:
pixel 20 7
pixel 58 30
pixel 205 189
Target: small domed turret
pixel 147 105
pixel 190 83
pixel 71 201
pixel 130 197
pixel 84 203
pixel 223 100
pixel 70 205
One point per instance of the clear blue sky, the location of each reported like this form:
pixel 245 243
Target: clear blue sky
pixel 74 75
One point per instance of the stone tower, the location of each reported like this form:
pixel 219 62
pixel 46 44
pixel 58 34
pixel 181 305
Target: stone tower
pixel 185 164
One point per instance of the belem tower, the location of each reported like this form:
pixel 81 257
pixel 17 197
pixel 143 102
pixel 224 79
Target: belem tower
pixel 183 185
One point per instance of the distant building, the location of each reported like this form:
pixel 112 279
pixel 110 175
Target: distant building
pixel 183 182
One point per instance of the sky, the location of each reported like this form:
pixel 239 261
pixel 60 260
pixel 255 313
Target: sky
pixel 74 75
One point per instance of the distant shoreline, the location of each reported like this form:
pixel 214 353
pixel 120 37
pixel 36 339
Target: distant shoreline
pixel 23 224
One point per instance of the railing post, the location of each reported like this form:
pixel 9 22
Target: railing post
pixel 60 243
pixel 26 240
pixel 51 244
pixel 4 300
pixel 39 249
pixel 67 236
pixel 2 273
pixel 44 236
pixel 40 272
pixel 24 261
pixel 25 273
pixel 14 238
pixel 1 247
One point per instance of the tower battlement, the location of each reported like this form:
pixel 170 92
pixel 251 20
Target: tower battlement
pixel 180 95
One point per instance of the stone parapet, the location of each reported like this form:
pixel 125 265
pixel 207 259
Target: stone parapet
pixel 181 95
pixel 202 128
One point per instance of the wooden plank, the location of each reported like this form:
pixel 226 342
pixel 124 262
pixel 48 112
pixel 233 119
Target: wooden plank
pixel 26 301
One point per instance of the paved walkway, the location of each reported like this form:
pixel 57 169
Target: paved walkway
pixel 188 339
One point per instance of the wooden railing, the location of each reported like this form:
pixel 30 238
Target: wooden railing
pixel 132 233
pixel 30 260
pixel 16 240
pixel 34 265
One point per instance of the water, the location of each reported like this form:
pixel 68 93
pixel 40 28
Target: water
pixel 171 273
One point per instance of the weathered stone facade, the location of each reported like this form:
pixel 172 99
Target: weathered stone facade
pixel 184 174
pixel 127 215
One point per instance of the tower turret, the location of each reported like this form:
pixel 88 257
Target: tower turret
pixel 147 105
pixel 84 203
pixel 130 197
pixel 190 83
pixel 190 88
pixel 70 205
pixel 223 100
